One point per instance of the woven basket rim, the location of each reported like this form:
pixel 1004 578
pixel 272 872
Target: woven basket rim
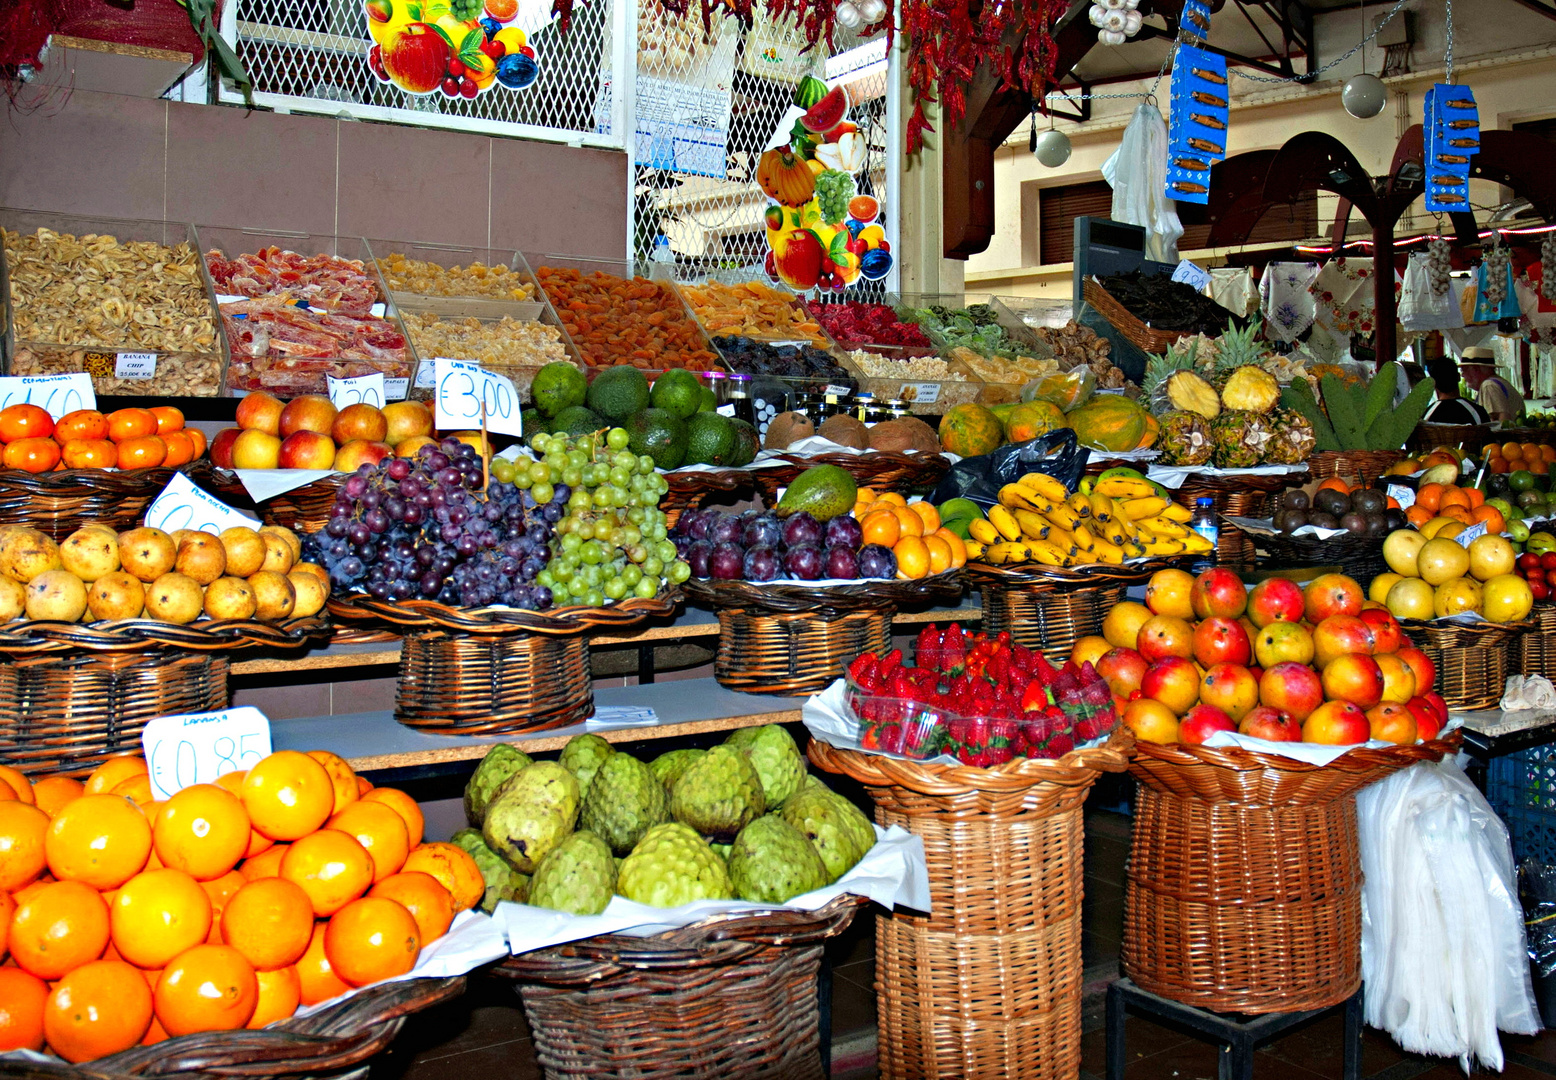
pixel 707 480
pixel 1350 544
pixel 97 480
pixel 1481 633
pixel 1361 759
pixel 1147 338
pixel 1252 483
pixel 882 459
pixel 493 620
pixel 140 635
pixel 870 594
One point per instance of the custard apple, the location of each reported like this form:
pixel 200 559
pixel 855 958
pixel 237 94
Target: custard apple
pixel 503 882
pixel 582 756
pixel 669 767
pixel 672 866
pixel 531 814
pixel 500 762
pixel 840 833
pixel 777 760
pixel 772 861
pixel 578 876
pixel 623 802
pixel 722 850
pixel 719 794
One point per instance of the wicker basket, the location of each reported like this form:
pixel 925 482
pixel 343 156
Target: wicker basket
pixel 1473 660
pixel 1244 878
pixel 59 503
pixel 1427 437
pixel 732 996
pixel 989 983
pixel 303 509
pixel 1360 557
pixel 1051 608
pixel 689 490
pixel 495 671
pixel 1355 466
pixel 1537 648
pixel 1139 334
pixel 878 469
pixel 1235 496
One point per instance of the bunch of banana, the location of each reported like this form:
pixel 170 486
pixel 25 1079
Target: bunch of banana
pixel 1038 520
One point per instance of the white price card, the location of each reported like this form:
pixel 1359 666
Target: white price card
pixel 924 393
pixel 54 394
pixel 1192 275
pixel 463 388
pixel 425 372
pixel 1402 495
pixel 135 365
pixel 1471 534
pixel 184 506
pixel 362 390
pixel 840 391
pixel 196 748
pixel 396 389
pixel 727 409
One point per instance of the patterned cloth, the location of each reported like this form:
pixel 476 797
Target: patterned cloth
pixel 1286 299
pixel 1233 288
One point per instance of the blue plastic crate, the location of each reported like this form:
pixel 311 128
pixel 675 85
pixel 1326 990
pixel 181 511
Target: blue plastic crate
pixel 1521 787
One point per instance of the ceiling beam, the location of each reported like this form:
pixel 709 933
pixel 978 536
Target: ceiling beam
pixel 1537 7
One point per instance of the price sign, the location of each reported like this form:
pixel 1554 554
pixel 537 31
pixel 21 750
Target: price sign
pixel 425 372
pixel 1471 534
pixel 726 409
pixel 135 365
pixel 396 389
pixel 1196 277
pixel 362 390
pixel 924 393
pixel 196 748
pixel 462 389
pixel 184 506
pixel 840 391
pixel 54 394
pixel 1402 495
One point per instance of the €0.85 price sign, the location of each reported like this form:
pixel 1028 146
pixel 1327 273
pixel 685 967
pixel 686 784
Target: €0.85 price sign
pixel 196 748
pixel 184 506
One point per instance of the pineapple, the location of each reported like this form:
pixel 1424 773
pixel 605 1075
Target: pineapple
pixel 1238 439
pixel 1172 383
pixel 1184 438
pixel 1293 441
pixel 1250 389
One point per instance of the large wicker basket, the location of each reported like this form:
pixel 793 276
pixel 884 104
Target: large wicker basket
pixel 1244 878
pixel 989 983
pixel 878 469
pixel 1353 466
pixel 1236 496
pixel 1360 557
pixel 303 509
pixel 1427 437
pixel 1537 648
pixel 731 996
pixel 1131 326
pixel 1473 659
pixel 689 490
pixel 59 503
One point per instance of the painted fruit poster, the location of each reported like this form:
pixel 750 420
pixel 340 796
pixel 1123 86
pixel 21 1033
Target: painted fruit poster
pixel 822 231
pixel 456 48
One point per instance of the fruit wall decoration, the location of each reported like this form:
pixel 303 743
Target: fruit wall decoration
pixel 822 233
pixel 459 48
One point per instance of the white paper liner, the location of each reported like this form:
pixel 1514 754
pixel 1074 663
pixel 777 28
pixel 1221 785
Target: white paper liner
pixel 1265 527
pixel 1173 476
pixel 1312 753
pixel 263 484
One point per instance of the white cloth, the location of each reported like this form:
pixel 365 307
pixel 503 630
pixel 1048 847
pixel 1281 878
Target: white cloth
pixel 1284 296
pixel 1233 288
pixel 1137 172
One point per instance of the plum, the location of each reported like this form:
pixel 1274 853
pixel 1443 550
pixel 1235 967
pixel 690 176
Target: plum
pixel 876 561
pixel 844 531
pixel 802 529
pixel 841 561
pixel 803 562
pixel 725 530
pixel 761 564
pixel 697 557
pixel 764 530
pixel 726 563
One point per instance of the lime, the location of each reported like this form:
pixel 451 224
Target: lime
pixel 676 392
pixel 558 386
pixel 1522 480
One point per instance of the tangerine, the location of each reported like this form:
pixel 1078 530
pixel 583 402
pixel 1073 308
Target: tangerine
pixel 1512 451
pixel 1335 483
pixel 22 829
pixel 157 915
pixel 421 894
pixel 167 417
pixel 57 928
pixel 939 554
pixel 110 772
pixel 130 424
pixel 53 793
pixel 232 781
pixel 401 804
pixel 142 452
pixel 371 939
pixel 364 785
pixel 343 780
pixel 927 512
pixel 203 830
pixel 269 921
pixel 331 867
pixel 316 979
pixel 24 422
pixel 908 522
pixel 6 794
pixel 197 437
pixel 180 448
pixel 1429 497
pixel 280 992
pixel 266 864
pixel 881 527
pixel 1531 451
pixel 99 1008
pixel 81 424
pixel 137 789
pixel 378 829
pixel 22 998
pixel 1540 468
pixel 912 558
pixel 893 498
pixel 89 454
pixel 206 988
pixel 32 455
pixel 18 782
pixel 102 840
pixel 453 868
pixel 288 795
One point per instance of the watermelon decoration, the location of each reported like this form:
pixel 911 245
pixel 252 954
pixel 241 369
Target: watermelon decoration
pixel 827 113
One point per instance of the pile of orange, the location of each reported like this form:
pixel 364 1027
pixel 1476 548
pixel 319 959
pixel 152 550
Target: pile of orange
pixel 1466 505
pixel 1510 457
pixel 227 906
pixel 911 530
pixel 87 439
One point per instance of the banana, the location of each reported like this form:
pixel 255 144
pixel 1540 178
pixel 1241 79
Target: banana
pixel 1084 487
pixel 975 549
pixel 1084 541
pixel 1125 523
pixel 1178 512
pixel 1117 487
pixel 1061 541
pixel 1113 532
pixel 1080 505
pixel 1062 516
pixel 1012 496
pixel 1144 508
pixel 983 532
pixel 1167 546
pixel 1046 486
pixel 1132 550
pixel 1101 508
pixel 1033 526
pixel 1163 526
pixel 1045 553
pixel 1006 553
pixel 1005 522
pixel 1108 553
pixel 1196 544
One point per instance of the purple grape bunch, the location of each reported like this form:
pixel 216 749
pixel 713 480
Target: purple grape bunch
pixel 759 546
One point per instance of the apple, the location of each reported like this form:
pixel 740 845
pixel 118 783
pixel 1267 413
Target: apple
pixel 1201 722
pixel 1174 681
pixel 260 411
pixel 1338 635
pixel 309 412
pixel 1428 723
pixel 1392 722
pixel 1275 600
pixel 354 454
pixel 221 447
pixel 406 420
pixel 1332 594
pixel 359 423
pixel 1399 679
pixel 1435 700
pixel 1336 723
pixel 1263 722
pixel 1353 677
pixel 1165 635
pixel 1123 669
pixel 1230 688
pixel 1425 670
pixel 1218 591
pixel 255 449
pixel 306 449
pixel 1151 721
pixel 1292 688
pixel 409 448
pixel 1282 642
pixel 416 58
pixel 1090 648
pixel 1387 637
pixel 1219 640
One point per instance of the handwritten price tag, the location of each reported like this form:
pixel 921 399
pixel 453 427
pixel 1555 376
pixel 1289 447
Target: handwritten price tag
pixel 54 394
pixel 426 374
pixel 1192 275
pixel 362 390
pixel 462 388
pixel 184 506
pixel 196 748
pixel 396 389
pixel 1471 534
pixel 135 365
pixel 1402 495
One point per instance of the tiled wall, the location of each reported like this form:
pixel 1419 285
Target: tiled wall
pixel 112 156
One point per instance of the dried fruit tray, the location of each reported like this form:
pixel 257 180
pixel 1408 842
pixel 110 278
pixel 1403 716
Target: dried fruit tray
pixel 645 324
pixel 452 280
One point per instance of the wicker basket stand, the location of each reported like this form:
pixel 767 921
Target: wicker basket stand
pixel 303 509
pixel 1537 648
pixel 1235 496
pixel 731 996
pixel 989 983
pixel 1353 466
pixel 1244 877
pixel 689 490
pixel 1050 608
pixel 59 503
pixel 1473 659
pixel 879 469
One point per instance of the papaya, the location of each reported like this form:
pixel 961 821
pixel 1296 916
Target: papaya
pixel 1109 422
pixel 969 430
pixel 1031 419
pixel 1152 430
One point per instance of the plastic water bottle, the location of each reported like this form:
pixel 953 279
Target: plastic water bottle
pixel 662 253
pixel 1204 523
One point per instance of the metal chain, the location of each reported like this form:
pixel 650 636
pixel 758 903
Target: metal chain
pixel 1395 10
pixel 1448 43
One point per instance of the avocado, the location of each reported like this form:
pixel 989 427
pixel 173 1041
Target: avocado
pixel 747 443
pixel 823 491
pixel 676 391
pixel 710 440
pixel 576 420
pixel 531 421
pixel 618 393
pixel 707 402
pixel 659 434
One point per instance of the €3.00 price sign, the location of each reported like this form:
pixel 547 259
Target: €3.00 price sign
pixel 196 748
pixel 464 389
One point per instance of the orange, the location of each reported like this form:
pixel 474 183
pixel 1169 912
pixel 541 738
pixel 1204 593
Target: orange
pixel 893 498
pixel 1531 451
pixel 1476 497
pixel 908 522
pixel 502 10
pixel 341 777
pixel 58 927
pixel 880 527
pixel 102 840
pixel 401 804
pixel 371 939
pixel 232 781
pixel 143 452
pixel 18 782
pixel 1540 467
pixel 22 829
pixel 954 542
pixel 1336 483
pixel 1430 496
pixel 100 1008
pixel 89 454
pixel 316 979
pixel 280 992
pixel 24 422
pixel 378 829
pixel 332 868
pixel 428 902
pixel 364 785
pixel 155 1033
pixel 22 998
pixel 288 795
pixel 1548 452
pixel 81 424
pixel 1512 451
pixel 130 424
pixel 266 864
pixel 167 417
pixel 453 868
pixel 197 437
pixel 269 922
pixel 203 830
pixel 928 513
pixel 939 554
pixel 6 793
pixel 912 558
pixel 1418 515
pixel 110 772
pixel 206 988
pixel 180 449
pixel 7 909
pixel 137 789
pixel 32 455
pixel 1453 496
pixel 158 915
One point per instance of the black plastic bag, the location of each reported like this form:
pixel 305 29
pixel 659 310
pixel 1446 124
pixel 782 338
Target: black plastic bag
pixel 980 478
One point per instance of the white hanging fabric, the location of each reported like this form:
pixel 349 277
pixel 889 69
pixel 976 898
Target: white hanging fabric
pixel 1137 172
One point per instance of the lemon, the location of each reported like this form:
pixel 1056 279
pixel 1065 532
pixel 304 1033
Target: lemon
pixel 483 72
pixel 511 39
